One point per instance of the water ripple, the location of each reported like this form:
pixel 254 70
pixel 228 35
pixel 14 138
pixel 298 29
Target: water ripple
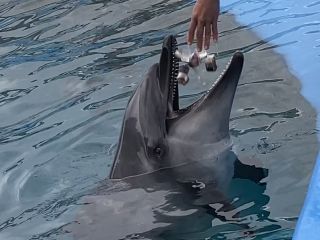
pixel 63 94
pixel 31 125
pixel 96 105
pixel 292 113
pixel 237 133
pixel 14 94
pixel 69 130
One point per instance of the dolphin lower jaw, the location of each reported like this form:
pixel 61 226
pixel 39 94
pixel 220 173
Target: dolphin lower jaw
pixel 207 120
pixel 219 87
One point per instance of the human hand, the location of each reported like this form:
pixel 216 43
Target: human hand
pixel 204 22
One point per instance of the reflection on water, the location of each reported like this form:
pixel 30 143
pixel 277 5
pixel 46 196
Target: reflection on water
pixel 67 70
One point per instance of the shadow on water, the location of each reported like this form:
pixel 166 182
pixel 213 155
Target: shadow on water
pixel 67 70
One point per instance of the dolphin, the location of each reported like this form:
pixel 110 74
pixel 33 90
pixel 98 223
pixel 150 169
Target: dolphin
pixel 172 165
pixel 156 134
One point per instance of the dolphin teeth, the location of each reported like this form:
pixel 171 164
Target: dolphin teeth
pixel 174 65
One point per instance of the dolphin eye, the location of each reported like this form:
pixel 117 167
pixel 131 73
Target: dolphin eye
pixel 158 151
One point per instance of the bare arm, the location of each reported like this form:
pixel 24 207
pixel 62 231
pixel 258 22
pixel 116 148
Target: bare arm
pixel 204 23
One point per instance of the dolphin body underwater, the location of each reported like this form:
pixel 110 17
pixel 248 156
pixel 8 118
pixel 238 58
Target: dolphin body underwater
pixel 172 165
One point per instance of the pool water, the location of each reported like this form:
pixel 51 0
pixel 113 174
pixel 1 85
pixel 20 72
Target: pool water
pixel 67 71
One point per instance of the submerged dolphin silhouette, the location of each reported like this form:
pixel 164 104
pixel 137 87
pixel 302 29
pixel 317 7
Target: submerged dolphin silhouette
pixel 157 134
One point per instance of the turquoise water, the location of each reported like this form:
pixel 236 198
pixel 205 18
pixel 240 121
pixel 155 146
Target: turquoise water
pixel 67 70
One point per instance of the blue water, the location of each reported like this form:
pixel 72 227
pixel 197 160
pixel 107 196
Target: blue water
pixel 67 70
pixel 293 26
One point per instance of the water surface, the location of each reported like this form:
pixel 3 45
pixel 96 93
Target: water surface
pixel 67 70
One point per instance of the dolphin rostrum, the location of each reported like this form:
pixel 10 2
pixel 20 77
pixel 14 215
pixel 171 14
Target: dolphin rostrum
pixel 156 134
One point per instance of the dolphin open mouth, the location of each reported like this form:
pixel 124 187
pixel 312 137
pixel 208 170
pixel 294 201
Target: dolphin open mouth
pixel 157 133
pixel 231 71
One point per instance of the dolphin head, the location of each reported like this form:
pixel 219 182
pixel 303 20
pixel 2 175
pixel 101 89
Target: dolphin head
pixel 157 134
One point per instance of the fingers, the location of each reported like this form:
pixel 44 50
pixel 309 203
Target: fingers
pixel 207 36
pixel 200 29
pixel 204 30
pixel 215 31
pixel 192 29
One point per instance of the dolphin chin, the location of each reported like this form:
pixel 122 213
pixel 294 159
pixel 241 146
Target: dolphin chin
pixel 157 133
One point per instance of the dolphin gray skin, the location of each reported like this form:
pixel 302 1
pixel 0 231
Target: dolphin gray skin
pixel 157 134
